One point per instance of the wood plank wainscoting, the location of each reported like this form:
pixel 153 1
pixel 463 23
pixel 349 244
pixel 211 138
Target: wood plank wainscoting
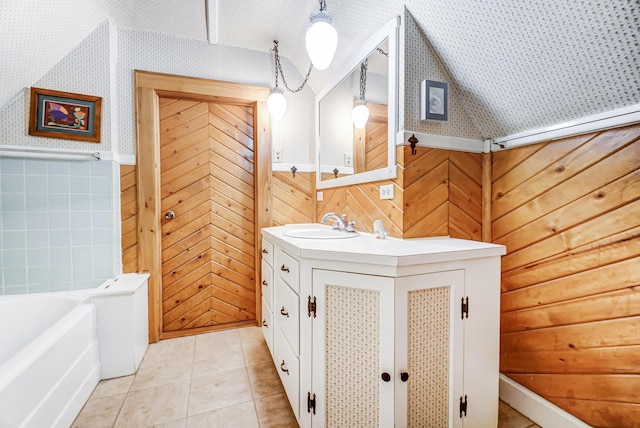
pixel 569 213
pixel 230 168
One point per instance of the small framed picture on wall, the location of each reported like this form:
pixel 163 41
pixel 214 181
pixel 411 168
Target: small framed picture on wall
pixel 434 100
pixel 56 114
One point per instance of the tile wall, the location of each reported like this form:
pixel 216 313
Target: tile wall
pixel 59 224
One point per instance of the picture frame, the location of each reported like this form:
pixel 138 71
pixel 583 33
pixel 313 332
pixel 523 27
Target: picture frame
pixel 64 115
pixel 434 103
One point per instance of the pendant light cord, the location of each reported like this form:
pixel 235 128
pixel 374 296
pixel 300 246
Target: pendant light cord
pixel 363 78
pixel 278 70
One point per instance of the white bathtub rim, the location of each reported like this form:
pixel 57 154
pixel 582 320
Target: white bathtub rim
pixel 26 356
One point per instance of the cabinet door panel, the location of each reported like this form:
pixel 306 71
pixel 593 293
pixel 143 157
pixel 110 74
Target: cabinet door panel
pixel 286 314
pixel 267 284
pixel 352 347
pixel 267 326
pixel 288 367
pixel 429 343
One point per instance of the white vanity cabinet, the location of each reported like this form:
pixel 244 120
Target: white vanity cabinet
pixel 389 333
pixel 267 293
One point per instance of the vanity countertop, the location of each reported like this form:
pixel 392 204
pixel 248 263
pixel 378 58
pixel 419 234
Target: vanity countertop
pixel 366 248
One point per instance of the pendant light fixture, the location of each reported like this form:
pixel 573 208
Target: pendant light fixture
pixel 276 102
pixel 321 38
pixel 360 113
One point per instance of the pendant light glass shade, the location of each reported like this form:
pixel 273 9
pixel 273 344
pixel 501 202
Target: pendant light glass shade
pixel 360 114
pixel 276 103
pixel 321 40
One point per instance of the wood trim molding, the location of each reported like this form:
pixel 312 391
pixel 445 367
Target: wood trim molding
pixel 486 197
pixel 148 86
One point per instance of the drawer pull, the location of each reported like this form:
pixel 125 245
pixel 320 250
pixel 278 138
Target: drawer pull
pixel 284 269
pixel 404 376
pixel 265 283
pixel 283 368
pixel 386 377
pixel 265 251
pixel 264 323
pixel 284 313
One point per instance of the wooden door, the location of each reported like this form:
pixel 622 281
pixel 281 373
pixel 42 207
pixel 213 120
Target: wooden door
pixel 208 211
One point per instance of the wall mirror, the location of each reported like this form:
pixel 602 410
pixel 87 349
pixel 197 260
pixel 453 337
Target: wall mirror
pixel 346 154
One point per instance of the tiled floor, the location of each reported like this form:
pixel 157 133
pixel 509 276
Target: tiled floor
pixel 220 379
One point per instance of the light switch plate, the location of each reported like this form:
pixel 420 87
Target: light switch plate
pixel 319 196
pixel 386 191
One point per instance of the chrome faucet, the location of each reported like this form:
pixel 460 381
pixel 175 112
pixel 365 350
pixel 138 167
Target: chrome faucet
pixel 338 222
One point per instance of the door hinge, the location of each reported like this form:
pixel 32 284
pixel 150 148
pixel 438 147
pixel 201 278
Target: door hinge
pixel 463 406
pixel 311 403
pixel 464 305
pixel 311 306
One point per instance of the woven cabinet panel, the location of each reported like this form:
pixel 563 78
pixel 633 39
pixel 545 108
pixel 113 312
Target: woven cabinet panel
pixel 352 357
pixel 428 357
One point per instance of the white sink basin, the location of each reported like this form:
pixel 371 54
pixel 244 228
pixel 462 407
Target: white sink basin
pixel 316 233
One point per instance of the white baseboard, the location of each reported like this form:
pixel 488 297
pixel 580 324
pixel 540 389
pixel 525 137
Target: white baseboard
pixel 536 408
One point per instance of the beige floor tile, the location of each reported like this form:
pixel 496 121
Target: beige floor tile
pixel 156 373
pixel 153 406
pixel 248 334
pixel 109 387
pixel 264 380
pixel 220 359
pixel 181 423
pixel 211 342
pixel 509 418
pixel 275 411
pixel 99 412
pixel 256 352
pixel 178 349
pixel 219 390
pixel 241 415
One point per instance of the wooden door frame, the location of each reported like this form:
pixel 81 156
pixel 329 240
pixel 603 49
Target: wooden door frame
pixel 149 86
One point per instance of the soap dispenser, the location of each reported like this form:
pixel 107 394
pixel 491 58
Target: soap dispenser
pixel 378 229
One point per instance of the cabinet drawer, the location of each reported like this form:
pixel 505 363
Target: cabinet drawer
pixel 267 284
pixel 267 325
pixel 288 367
pixel 267 252
pixel 286 314
pixel 289 270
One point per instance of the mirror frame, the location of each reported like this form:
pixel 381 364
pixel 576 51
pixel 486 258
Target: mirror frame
pixel 390 31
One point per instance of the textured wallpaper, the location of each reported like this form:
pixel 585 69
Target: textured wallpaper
pixel 149 51
pixel 85 70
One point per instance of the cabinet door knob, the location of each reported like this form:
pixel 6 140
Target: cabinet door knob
pixel 169 215
pixel 265 251
pixel 386 377
pixel 404 376
pixel 284 269
pixel 265 283
pixel 283 312
pixel 264 323
pixel 282 367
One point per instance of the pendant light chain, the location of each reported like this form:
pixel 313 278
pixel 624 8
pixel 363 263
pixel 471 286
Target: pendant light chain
pixel 278 70
pixel 363 78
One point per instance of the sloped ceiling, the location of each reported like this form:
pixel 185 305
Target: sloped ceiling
pixel 518 65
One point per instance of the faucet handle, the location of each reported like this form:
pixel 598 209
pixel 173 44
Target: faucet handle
pixel 343 217
pixel 351 227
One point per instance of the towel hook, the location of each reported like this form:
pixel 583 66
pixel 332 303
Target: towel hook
pixel 413 141
pixel 335 172
pixel 293 171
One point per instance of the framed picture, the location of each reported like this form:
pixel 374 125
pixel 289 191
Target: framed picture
pixel 434 103
pixel 64 115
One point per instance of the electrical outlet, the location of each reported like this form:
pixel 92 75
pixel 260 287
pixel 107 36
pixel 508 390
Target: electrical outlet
pixel 277 155
pixel 319 196
pixel 348 160
pixel 386 191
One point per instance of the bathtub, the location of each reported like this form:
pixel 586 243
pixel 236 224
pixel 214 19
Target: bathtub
pixel 49 362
